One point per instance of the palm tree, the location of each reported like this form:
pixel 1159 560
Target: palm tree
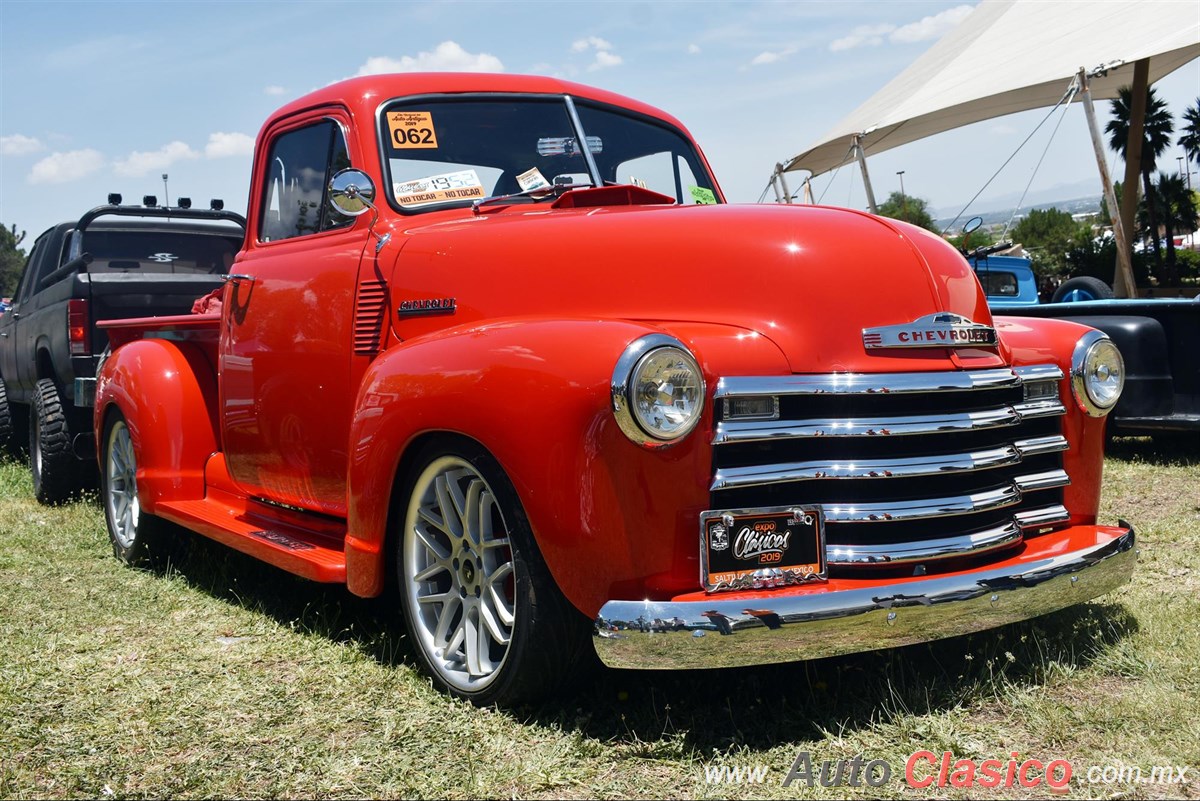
pixel 1156 138
pixel 1189 139
pixel 1177 211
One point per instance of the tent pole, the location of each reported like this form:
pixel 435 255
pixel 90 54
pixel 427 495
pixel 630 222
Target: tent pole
pixel 774 182
pixel 1133 146
pixel 787 196
pixel 862 162
pixel 1123 285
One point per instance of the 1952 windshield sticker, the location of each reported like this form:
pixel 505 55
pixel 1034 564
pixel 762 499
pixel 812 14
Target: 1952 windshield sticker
pixel 412 129
pixel 461 185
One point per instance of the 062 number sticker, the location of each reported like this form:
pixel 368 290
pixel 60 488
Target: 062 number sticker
pixel 412 129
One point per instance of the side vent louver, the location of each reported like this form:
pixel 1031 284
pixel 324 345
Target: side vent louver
pixel 368 316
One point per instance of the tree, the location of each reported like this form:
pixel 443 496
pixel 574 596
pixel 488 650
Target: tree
pixel 1177 212
pixel 910 209
pixel 976 239
pixel 12 260
pixel 1189 139
pixel 1156 138
pixel 1048 235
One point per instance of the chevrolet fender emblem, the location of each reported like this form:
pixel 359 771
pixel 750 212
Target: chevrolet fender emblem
pixel 427 306
pixel 940 330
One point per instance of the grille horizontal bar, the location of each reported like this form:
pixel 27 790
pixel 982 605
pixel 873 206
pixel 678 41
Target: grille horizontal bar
pixel 872 468
pixel 1037 445
pixel 910 467
pixel 867 383
pixel 1049 516
pixel 729 432
pixel 1034 409
pixel 924 508
pixel 991 539
pixel 1039 372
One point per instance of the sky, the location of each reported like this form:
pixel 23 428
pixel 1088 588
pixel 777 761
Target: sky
pixel 99 97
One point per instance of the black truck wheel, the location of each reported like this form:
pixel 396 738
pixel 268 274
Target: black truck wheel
pixel 488 622
pixel 1082 287
pixel 7 444
pixel 57 474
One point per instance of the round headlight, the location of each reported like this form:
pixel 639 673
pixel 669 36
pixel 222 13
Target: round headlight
pixel 1097 373
pixel 657 391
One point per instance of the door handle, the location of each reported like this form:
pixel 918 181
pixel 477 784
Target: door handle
pixel 235 277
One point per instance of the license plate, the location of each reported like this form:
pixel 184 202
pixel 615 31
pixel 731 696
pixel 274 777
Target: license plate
pixel 752 549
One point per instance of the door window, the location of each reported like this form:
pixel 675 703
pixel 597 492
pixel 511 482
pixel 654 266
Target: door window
pixel 298 171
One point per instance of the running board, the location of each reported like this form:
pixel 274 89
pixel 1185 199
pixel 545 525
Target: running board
pixel 318 555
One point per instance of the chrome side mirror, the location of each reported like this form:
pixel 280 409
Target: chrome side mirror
pixel 351 192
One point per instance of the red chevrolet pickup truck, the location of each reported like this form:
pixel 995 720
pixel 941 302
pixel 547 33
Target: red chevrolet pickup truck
pixel 500 343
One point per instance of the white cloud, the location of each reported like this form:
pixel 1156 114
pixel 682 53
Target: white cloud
pixel 446 57
pixel 771 56
pixel 221 145
pixel 693 48
pixel 142 162
pixel 862 36
pixel 605 59
pixel 59 168
pixel 603 49
pixel 595 42
pixel 18 145
pixel 274 91
pixel 933 27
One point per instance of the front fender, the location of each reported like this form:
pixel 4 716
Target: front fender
pixel 166 391
pixel 611 518
pixel 1038 341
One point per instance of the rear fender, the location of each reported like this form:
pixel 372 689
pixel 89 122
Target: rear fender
pixel 167 393
pixel 610 517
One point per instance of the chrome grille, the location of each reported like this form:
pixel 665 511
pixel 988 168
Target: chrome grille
pixel 907 467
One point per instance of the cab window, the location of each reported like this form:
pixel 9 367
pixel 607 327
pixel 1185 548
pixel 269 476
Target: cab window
pixel 299 167
pixel 998 284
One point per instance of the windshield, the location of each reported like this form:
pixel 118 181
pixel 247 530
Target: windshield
pixel 450 151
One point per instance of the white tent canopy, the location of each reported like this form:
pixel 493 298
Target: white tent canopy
pixel 1010 56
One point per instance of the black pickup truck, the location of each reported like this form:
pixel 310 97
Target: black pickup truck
pixel 1157 339
pixel 115 262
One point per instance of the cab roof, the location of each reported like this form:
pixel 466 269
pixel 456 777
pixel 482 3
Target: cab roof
pixel 365 94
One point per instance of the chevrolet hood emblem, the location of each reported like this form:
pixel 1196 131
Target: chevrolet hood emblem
pixel 940 330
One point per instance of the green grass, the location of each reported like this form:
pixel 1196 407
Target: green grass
pixel 221 677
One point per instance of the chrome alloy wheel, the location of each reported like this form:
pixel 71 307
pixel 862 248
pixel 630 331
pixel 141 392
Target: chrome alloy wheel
pixel 458 569
pixel 120 486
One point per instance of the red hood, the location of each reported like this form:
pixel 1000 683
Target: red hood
pixel 808 278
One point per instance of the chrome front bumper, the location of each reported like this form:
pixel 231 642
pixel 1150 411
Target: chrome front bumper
pixel 751 628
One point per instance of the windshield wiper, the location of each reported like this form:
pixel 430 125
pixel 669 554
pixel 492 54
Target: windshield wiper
pixel 535 195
